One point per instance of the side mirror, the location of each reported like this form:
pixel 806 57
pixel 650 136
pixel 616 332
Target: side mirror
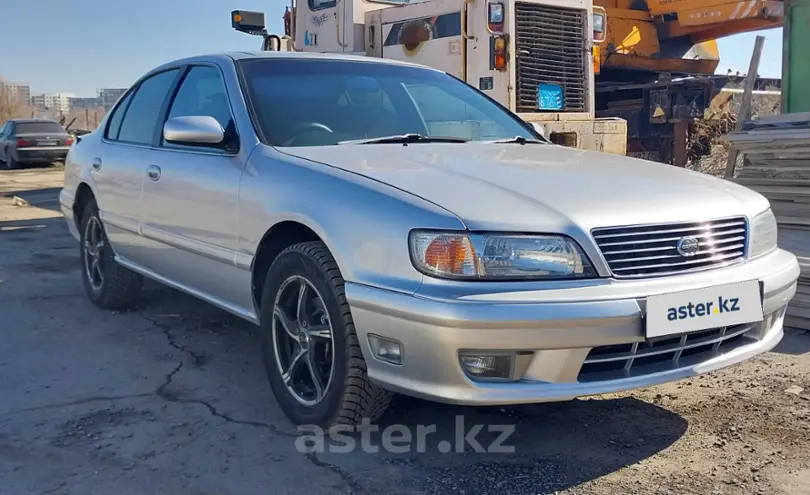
pixel 538 128
pixel 194 130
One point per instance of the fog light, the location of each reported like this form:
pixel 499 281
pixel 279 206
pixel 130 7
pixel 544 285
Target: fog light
pixel 488 366
pixel 384 349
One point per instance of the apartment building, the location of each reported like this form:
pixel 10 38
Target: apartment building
pixel 85 102
pixel 109 96
pixel 20 93
pixel 59 102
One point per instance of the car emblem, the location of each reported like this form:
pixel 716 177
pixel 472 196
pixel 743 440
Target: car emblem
pixel 688 246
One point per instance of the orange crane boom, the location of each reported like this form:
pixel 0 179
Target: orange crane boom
pixel 650 46
pixel 678 36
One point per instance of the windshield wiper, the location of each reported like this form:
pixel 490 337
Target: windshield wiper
pixel 405 139
pixel 516 140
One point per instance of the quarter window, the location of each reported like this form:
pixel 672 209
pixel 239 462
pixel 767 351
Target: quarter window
pixel 143 114
pixel 118 115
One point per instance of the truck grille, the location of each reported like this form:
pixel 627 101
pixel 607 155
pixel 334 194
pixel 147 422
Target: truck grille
pixel 652 250
pixel 613 362
pixel 550 46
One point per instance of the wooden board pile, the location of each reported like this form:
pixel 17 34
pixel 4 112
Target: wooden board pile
pixel 776 153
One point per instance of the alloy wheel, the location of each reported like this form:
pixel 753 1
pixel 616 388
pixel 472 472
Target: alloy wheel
pixel 303 340
pixel 93 251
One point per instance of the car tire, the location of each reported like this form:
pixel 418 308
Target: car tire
pixel 347 396
pixel 108 284
pixel 11 163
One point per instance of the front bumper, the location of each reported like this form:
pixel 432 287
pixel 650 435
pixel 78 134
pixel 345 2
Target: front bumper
pixel 559 327
pixel 42 155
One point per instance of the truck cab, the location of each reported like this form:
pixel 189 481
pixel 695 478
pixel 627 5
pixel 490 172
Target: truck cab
pixel 535 57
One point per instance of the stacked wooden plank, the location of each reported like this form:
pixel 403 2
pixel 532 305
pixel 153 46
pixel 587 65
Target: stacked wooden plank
pixel 776 163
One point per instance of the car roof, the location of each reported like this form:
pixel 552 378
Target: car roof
pixel 313 57
pixel 30 121
pixel 319 56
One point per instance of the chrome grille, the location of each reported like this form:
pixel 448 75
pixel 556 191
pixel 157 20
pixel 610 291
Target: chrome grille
pixel 626 360
pixel 652 250
pixel 550 48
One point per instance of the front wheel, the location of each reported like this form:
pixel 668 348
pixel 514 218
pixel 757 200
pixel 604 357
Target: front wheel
pixel 311 351
pixel 108 284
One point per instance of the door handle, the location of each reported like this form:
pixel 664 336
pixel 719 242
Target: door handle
pixel 96 164
pixel 153 171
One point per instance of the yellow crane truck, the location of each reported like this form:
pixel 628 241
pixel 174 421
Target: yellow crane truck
pixel 535 57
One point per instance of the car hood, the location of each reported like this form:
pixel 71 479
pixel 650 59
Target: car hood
pixel 536 188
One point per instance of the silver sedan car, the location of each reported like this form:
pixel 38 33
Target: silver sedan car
pixel 392 229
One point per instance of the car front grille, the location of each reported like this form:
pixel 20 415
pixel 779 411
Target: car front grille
pixel 613 362
pixel 550 46
pixel 652 250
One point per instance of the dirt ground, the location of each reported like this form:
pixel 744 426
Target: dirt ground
pixel 171 397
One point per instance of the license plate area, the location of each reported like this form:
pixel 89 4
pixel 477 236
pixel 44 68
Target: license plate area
pixel 47 143
pixel 550 97
pixel 703 309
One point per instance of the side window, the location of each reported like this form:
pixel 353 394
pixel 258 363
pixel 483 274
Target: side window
pixel 141 119
pixel 447 115
pixel 321 4
pixel 114 127
pixel 3 129
pixel 202 93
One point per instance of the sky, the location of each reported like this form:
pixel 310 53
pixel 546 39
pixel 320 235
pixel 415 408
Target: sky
pixel 81 45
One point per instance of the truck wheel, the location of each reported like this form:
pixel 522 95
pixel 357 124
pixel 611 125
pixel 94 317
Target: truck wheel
pixel 108 284
pixel 311 351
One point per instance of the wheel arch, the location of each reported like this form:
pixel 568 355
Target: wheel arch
pixel 84 194
pixel 276 239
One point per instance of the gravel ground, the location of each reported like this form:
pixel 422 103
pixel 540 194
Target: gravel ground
pixel 171 397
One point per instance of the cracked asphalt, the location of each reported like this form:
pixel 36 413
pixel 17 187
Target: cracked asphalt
pixel 171 398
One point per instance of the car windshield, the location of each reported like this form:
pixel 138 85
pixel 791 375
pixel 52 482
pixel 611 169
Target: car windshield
pixel 38 127
pixel 327 102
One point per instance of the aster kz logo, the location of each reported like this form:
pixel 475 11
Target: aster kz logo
pixel 692 310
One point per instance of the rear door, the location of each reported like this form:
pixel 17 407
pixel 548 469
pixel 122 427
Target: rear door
pixel 120 160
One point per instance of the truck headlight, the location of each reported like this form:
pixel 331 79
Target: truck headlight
pixel 763 234
pixel 460 255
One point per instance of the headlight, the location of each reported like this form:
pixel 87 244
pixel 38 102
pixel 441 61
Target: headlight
pixel 498 256
pixel 763 234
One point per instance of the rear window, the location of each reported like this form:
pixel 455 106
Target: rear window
pixel 38 127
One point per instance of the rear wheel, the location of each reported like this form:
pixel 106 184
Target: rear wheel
pixel 108 284
pixel 311 351
pixel 11 163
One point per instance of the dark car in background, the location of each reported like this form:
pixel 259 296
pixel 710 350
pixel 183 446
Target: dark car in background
pixel 33 141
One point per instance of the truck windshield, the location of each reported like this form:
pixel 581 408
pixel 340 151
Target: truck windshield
pixel 397 1
pixel 311 102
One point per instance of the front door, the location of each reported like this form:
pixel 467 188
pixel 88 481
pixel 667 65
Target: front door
pixel 190 197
